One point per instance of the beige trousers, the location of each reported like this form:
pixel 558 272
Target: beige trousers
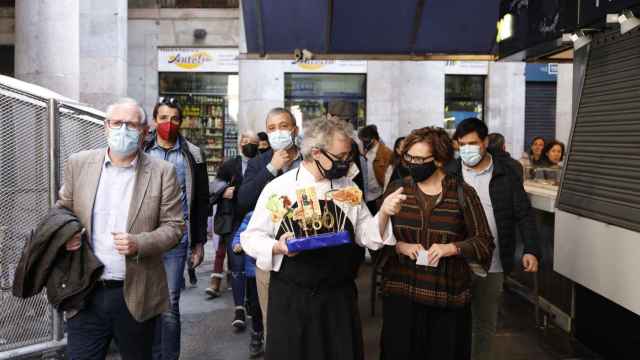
pixel 262 282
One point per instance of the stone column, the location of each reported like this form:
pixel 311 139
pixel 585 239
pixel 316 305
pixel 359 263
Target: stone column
pixel 261 89
pixel 103 51
pixel 404 95
pixel 47 48
pixel 564 102
pixel 505 103
pixel 77 48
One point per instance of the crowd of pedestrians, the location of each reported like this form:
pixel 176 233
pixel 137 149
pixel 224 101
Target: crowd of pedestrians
pixel 294 216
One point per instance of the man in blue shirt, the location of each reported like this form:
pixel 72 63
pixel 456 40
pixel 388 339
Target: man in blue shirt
pixel 167 144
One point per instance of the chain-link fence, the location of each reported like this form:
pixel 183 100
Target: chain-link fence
pixel 36 136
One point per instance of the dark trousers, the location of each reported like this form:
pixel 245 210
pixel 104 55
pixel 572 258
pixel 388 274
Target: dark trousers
pixel 253 305
pixel 415 331
pixel 235 263
pixel 104 318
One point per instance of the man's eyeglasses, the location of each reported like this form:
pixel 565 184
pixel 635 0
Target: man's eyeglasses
pixel 117 124
pixel 418 160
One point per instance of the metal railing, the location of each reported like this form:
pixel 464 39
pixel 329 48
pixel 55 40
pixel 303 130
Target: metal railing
pixel 37 134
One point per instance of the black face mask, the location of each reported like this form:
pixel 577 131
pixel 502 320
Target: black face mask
pixel 250 150
pixel 422 172
pixel 402 170
pixel 339 168
pixel 264 150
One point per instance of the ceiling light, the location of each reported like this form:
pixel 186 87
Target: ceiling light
pixel 579 39
pixel 612 18
pixel 628 21
pixel 505 28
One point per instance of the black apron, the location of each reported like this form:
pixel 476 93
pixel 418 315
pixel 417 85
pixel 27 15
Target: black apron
pixel 313 309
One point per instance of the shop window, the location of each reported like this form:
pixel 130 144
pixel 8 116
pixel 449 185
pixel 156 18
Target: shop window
pixel 464 98
pixel 308 95
pixel 7 60
pixel 202 83
pixel 209 109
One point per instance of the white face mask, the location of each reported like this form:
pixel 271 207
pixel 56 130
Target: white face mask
pixel 123 141
pixel 280 139
pixel 470 154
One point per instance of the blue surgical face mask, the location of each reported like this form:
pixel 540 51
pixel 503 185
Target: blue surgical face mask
pixel 470 154
pixel 280 139
pixel 123 141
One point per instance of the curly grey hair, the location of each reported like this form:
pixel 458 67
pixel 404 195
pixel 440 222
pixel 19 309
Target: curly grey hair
pixel 319 133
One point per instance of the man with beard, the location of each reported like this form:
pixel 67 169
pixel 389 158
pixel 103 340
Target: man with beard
pixel 166 143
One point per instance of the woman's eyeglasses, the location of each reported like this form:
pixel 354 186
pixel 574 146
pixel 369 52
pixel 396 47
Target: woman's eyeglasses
pixel 418 160
pixel 347 157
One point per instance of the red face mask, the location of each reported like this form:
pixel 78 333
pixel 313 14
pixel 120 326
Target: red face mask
pixel 168 131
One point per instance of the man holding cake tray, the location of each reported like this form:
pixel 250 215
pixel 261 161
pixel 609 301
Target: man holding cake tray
pixel 304 228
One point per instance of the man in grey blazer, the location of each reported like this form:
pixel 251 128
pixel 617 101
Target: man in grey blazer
pixel 130 205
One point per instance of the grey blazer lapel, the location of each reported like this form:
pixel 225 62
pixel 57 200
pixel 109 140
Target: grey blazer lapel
pixel 143 178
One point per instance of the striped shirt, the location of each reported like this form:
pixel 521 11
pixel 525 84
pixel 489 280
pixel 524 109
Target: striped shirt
pixel 438 220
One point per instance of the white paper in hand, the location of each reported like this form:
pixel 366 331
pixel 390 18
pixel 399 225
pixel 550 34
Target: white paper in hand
pixel 423 259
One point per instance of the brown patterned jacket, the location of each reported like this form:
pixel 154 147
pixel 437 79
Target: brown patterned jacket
pixel 438 222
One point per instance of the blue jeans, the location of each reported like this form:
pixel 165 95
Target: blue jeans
pixel 167 339
pixel 235 262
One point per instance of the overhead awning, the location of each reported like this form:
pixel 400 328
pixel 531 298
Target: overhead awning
pixel 537 27
pixel 365 28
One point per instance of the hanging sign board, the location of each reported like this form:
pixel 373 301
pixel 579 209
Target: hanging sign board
pixel 328 66
pixel 541 72
pixel 198 60
pixel 466 68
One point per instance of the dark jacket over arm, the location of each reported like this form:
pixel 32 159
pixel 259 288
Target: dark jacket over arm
pixel 200 209
pixel 68 275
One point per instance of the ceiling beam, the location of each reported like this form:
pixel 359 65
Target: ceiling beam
pixel 260 27
pixel 417 21
pixel 328 27
pixel 381 57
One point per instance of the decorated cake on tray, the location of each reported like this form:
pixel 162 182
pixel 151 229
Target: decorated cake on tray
pixel 314 225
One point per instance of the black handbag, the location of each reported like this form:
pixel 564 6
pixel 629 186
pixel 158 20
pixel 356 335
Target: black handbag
pixel 223 221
